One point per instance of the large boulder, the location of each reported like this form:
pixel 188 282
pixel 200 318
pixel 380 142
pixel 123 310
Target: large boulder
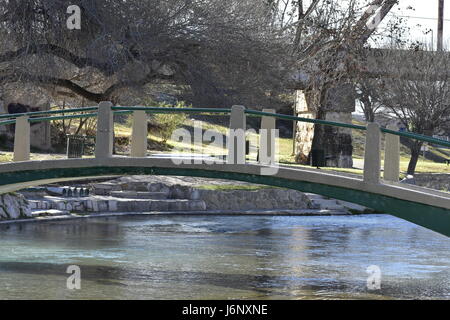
pixel 14 206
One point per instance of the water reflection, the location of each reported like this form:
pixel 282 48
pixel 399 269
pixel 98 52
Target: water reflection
pixel 213 257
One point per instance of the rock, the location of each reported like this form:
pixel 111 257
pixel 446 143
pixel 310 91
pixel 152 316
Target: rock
pixel 139 195
pixel 158 187
pixel 52 212
pixel 183 192
pixel 112 205
pixel 197 205
pixel 14 206
pixel 158 205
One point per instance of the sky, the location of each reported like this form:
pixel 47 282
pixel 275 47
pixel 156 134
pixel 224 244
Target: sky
pixel 423 17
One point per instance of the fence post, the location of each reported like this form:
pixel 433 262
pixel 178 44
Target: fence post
pixel 392 155
pixel 105 130
pixel 22 139
pixel 267 139
pixel 372 154
pixel 139 135
pixel 236 136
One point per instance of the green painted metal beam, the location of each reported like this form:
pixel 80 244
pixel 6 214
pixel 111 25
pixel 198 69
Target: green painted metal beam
pixel 41 113
pixel 299 119
pixel 433 218
pixel 256 113
pixel 410 135
pixel 176 110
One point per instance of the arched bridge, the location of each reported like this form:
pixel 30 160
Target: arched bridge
pixel 425 207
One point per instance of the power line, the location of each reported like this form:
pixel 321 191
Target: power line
pixel 413 17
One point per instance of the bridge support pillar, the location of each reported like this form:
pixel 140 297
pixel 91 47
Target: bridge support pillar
pixel 105 131
pixel 372 154
pixel 267 138
pixel 139 135
pixel 236 136
pixel 22 139
pixel 392 155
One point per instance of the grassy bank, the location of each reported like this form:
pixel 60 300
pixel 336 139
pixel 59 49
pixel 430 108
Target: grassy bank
pixel 285 148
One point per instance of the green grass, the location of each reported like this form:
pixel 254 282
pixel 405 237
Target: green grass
pixel 6 157
pixel 285 148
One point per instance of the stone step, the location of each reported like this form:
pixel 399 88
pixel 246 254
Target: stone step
pixel 40 205
pixel 139 195
pixel 313 196
pixel 160 205
pixel 354 207
pixel 51 212
pixel 105 188
pixel 109 204
pixel 322 203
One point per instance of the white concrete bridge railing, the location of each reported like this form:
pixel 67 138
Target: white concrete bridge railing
pixel 236 152
pixel 422 206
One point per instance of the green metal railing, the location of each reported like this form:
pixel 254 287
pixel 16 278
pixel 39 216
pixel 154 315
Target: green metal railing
pixel 418 137
pixel 165 110
pixel 299 119
pixel 41 113
pixel 162 110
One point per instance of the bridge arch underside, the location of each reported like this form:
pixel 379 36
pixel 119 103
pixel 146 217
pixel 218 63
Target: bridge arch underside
pixel 410 207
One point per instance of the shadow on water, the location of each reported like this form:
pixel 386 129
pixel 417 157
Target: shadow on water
pixel 265 285
pixel 109 275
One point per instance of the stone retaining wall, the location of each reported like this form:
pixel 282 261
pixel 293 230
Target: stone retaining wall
pixel 251 200
pixel 433 181
pixel 118 205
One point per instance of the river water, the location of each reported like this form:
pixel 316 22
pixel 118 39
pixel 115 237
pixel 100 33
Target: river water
pixel 225 257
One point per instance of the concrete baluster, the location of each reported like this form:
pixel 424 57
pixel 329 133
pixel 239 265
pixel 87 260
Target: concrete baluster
pixel 372 154
pixel 139 135
pixel 392 155
pixel 236 137
pixel 22 139
pixel 105 130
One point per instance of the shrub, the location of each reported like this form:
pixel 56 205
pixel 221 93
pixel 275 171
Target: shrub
pixel 4 141
pixel 166 123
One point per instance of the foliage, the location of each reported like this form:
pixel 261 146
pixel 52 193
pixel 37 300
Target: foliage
pixel 3 141
pixel 166 123
pixel 219 49
pixel 415 92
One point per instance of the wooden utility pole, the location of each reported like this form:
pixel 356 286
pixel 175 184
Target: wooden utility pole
pixel 440 40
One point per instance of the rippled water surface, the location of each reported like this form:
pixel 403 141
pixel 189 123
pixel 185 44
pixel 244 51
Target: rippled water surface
pixel 224 257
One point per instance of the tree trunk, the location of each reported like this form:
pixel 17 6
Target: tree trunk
pixel 336 143
pixel 415 153
pixel 370 115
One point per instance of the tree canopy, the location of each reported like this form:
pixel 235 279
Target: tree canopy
pixel 224 52
pixel 220 49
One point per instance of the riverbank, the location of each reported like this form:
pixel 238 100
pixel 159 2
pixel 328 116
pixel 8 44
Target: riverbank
pixel 156 195
pixel 65 216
